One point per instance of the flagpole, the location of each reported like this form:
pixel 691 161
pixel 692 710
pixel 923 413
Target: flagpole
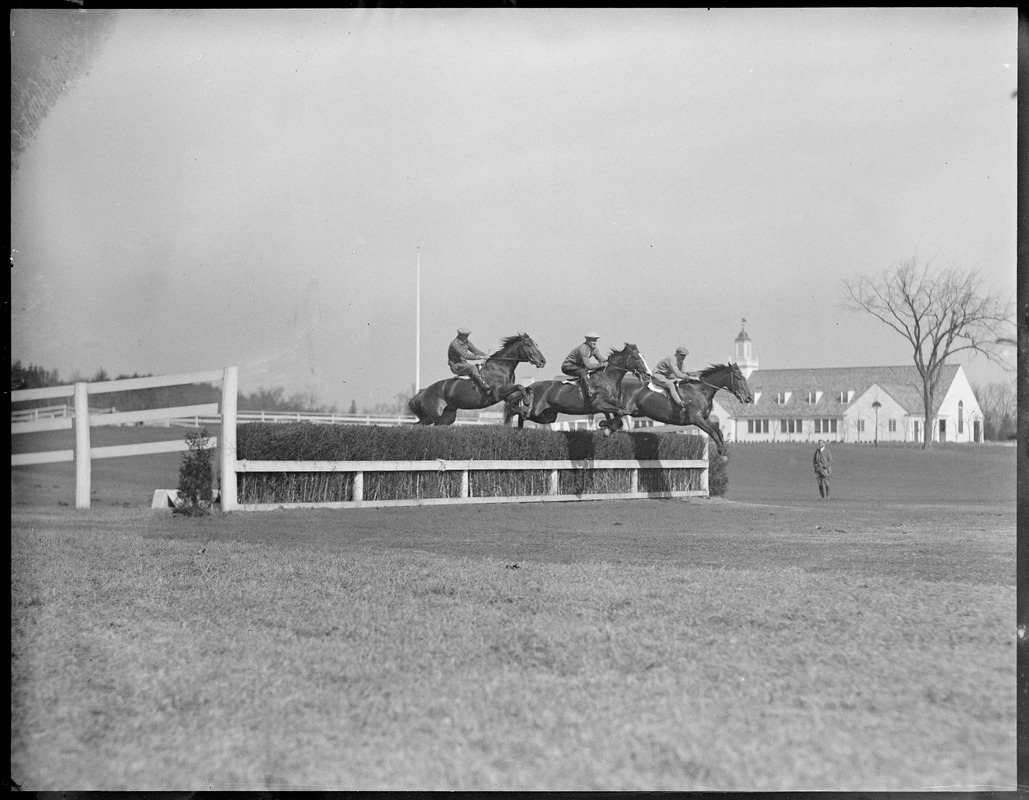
pixel 418 323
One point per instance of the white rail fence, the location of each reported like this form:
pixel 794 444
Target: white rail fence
pixel 465 495
pixel 82 419
pixel 318 418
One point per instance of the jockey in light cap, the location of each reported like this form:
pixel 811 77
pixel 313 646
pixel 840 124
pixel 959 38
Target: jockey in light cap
pixel 583 360
pixel 668 372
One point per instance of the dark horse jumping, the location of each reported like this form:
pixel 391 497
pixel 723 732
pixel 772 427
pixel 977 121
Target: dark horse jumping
pixel 547 399
pixel 437 403
pixel 642 401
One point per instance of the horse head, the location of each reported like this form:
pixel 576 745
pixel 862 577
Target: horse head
pixel 729 376
pixel 521 347
pixel 630 359
pixel 739 386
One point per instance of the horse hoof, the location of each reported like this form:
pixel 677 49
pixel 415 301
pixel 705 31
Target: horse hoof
pixel 723 458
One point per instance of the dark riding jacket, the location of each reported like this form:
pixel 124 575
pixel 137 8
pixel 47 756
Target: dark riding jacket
pixel 583 357
pixel 462 350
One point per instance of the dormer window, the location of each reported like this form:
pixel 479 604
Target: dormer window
pixel 845 396
pixel 782 398
pixel 814 397
pixel 757 397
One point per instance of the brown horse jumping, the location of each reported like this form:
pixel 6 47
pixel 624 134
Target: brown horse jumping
pixel 437 404
pixel 547 399
pixel 697 395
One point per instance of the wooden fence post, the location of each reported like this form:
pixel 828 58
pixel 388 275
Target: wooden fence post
pixel 82 469
pixel 227 440
pixel 705 473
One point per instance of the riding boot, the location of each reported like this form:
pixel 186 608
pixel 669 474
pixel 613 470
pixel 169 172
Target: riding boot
pixel 588 395
pixel 486 389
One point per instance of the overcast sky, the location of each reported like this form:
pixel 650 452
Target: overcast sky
pixel 252 187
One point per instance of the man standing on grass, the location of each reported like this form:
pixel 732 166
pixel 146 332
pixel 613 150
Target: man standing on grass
pixel 823 468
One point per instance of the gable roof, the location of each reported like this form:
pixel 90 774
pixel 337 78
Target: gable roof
pixel 903 384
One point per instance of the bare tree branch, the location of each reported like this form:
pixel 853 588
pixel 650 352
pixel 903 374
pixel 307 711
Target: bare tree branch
pixel 941 312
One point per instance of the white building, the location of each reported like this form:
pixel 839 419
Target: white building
pixel 846 404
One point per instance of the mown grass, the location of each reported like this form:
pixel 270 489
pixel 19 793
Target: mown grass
pixel 154 653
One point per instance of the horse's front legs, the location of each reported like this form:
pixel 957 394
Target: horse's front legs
pixel 612 419
pixel 714 433
pixel 517 403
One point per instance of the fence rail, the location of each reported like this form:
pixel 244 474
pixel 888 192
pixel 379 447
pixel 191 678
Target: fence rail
pixel 360 468
pixel 184 416
pixel 82 418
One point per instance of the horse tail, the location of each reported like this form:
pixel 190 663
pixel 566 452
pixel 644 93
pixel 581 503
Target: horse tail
pixel 414 405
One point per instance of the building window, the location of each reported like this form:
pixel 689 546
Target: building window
pixel 780 398
pixel 961 416
pixel 891 426
pixel 861 426
pixel 826 425
pixel 790 426
pixel 813 397
pixel 757 426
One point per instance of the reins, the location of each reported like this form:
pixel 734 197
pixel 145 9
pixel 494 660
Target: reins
pixel 728 388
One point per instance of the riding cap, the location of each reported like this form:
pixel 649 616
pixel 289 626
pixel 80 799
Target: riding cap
pixel 681 351
pixel 592 335
pixel 463 331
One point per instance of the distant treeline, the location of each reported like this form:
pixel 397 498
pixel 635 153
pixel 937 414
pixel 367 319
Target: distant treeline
pixel 36 377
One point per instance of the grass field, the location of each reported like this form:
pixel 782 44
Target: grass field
pixel 767 642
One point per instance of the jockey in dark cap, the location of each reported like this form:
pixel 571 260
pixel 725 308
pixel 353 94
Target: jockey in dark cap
pixel 465 358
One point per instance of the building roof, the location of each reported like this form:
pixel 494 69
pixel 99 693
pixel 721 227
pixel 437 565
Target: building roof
pixel 903 384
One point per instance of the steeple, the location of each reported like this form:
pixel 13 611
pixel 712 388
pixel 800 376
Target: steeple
pixel 743 354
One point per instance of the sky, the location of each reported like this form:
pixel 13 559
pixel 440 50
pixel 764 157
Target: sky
pixel 291 191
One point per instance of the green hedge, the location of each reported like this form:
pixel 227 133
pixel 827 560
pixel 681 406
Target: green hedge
pixel 304 441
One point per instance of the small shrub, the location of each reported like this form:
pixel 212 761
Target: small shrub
pixel 196 477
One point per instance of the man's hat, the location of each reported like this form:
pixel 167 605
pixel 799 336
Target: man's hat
pixel 463 331
pixel 681 351
pixel 592 335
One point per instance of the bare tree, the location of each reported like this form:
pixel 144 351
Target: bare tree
pixel 998 403
pixel 940 313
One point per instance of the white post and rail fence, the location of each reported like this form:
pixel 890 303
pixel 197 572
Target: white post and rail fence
pixel 83 419
pixel 227 416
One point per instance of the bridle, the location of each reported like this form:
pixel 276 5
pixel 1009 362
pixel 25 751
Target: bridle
pixel 516 359
pixel 732 386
